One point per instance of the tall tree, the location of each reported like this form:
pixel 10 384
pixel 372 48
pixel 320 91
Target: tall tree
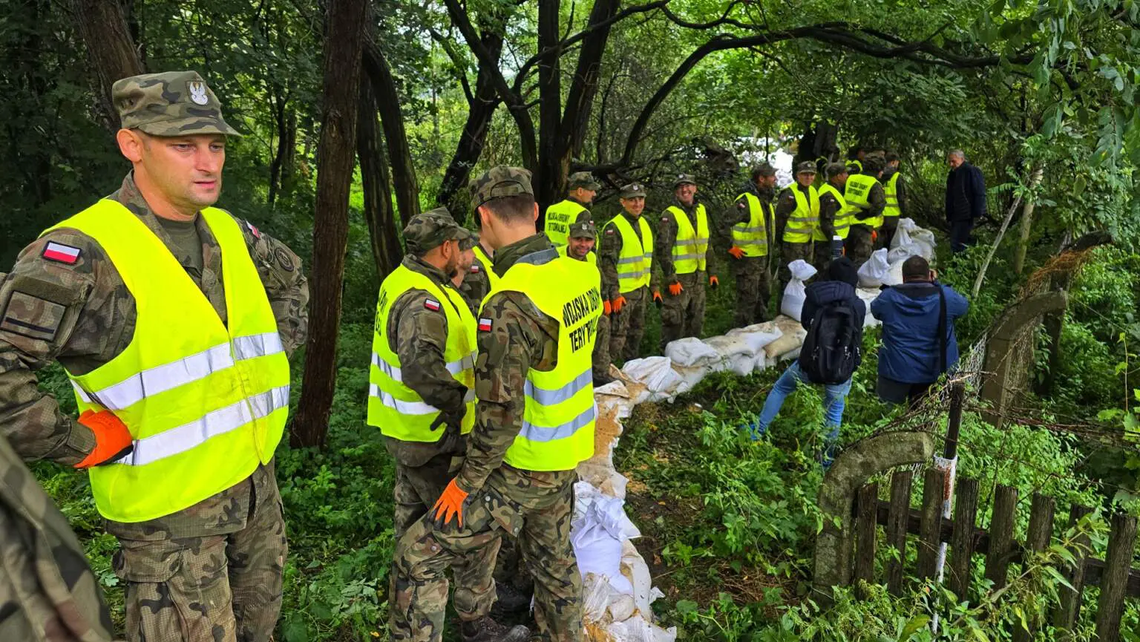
pixel 110 48
pixel 344 45
pixel 377 187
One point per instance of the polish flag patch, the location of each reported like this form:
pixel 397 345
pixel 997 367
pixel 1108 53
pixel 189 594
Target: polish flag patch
pixel 61 253
pixel 431 305
pixel 474 268
pixel 484 325
pixel 253 230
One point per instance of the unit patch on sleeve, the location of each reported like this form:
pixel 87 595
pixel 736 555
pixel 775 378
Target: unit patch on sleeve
pixel 61 253
pixel 431 305
pixel 32 316
pixel 484 325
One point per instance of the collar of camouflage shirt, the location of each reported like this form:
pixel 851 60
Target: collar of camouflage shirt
pixel 507 256
pixel 420 266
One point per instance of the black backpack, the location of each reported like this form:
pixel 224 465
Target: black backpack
pixel 830 353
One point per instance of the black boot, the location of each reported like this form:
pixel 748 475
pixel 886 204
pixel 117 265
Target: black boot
pixel 487 630
pixel 510 600
pixel 601 379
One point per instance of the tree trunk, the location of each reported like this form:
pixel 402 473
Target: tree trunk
pixel 110 49
pixel 548 186
pixel 452 191
pixel 395 137
pixel 580 98
pixel 1023 238
pixel 281 167
pixel 335 164
pixel 382 235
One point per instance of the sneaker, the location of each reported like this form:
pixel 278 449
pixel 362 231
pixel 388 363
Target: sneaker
pixel 487 630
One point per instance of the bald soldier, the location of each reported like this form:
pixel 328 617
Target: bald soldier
pixel 422 392
pixel 534 423
pixel 174 321
pixel 626 261
pixel 681 248
pixel 559 216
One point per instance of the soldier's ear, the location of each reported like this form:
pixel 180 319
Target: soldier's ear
pixel 536 212
pixel 130 145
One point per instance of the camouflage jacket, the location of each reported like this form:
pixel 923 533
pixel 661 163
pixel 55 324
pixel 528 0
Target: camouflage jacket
pixel 609 251
pixel 47 591
pixel 521 337
pixel 476 283
pixel 666 236
pixel 417 333
pixel 82 316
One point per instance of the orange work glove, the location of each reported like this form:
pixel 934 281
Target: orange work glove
pixel 675 288
pixel 657 300
pixel 112 439
pixel 607 309
pixel 450 504
pixel 714 282
pixel 874 235
pixel 619 303
pixel 736 252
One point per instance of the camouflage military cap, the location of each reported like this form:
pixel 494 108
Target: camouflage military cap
pixel 585 180
pixel 175 103
pixel 684 179
pixel 499 182
pixel 806 167
pixel 583 228
pixel 873 163
pixel 633 190
pixel 430 229
pixel 835 169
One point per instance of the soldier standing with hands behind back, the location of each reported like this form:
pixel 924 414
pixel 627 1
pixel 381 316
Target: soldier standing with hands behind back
pixel 626 262
pixel 752 222
pixel 681 247
pixel 173 320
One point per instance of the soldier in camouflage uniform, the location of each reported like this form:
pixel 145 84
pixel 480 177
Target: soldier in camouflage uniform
pixel 476 282
pixel 683 309
pixel 417 333
pixel 47 591
pixel 514 338
pixel 753 278
pixel 785 207
pixel 212 571
pixel 626 324
pixel 583 236
pixel 861 239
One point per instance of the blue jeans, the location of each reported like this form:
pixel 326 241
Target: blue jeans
pixel 834 399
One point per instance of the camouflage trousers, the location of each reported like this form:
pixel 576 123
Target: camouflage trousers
pixel 821 257
pixel 221 587
pixel 537 509
pixel 859 244
pixel 887 232
pixel 628 326
pixel 602 357
pixel 789 253
pixel 753 290
pixel 684 315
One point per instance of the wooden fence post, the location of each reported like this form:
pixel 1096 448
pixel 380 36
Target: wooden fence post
pixel 962 543
pixel 1001 536
pixel 1118 562
pixel 930 535
pixel 1065 616
pixel 1040 530
pixel 896 528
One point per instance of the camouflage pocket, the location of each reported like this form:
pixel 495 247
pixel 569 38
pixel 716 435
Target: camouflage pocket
pixel 505 514
pixel 177 589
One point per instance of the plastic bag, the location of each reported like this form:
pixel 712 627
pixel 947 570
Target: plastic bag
pixel 875 270
pixel 796 292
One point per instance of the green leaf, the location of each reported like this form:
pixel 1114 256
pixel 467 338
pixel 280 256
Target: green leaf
pixel 914 625
pixel 685 607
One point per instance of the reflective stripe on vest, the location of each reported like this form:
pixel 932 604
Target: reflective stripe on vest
pixel 845 216
pixel 399 411
pixel 558 219
pixel 856 193
pixel 752 236
pixel 805 220
pixel 558 418
pixel 891 189
pixel 205 402
pixel 691 245
pixel 635 263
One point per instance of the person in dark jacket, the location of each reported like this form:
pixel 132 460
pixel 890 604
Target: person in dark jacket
pixel 910 359
pixel 839 288
pixel 965 199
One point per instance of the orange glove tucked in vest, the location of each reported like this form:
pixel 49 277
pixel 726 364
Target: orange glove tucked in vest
pixel 112 439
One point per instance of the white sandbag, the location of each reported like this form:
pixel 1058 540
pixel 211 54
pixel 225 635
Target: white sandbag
pixel 867 295
pixel 877 268
pixel 638 630
pixel 594 507
pixel 794 295
pixel 597 593
pixel 690 377
pixel 691 351
pixel 911 240
pixel 634 568
pixel 656 373
pixel 739 351
pixel 894 276
pixel 599 552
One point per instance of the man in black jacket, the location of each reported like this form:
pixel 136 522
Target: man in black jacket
pixel 965 199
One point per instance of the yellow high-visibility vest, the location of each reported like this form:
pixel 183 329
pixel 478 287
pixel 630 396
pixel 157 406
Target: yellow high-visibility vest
pixel 205 401
pixel 635 263
pixel 854 166
pixel 396 409
pixel 692 243
pixel 891 189
pixel 752 236
pixel 558 219
pixel 486 265
pixel 856 192
pixel 803 222
pixel 846 214
pixel 559 415
pixel 591 257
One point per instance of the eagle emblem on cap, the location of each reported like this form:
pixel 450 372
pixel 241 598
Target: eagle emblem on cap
pixel 198 92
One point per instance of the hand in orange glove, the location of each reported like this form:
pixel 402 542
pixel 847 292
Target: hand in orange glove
pixel 736 252
pixel 112 439
pixel 714 282
pixel 657 300
pixel 450 504
pixel 607 308
pixel 874 235
pixel 675 288
pixel 619 303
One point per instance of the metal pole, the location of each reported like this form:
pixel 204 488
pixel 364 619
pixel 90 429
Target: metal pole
pixel 949 464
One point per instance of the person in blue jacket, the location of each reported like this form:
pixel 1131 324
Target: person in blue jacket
pixel 839 287
pixel 919 342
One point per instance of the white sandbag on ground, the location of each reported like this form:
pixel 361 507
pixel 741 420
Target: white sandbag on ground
pixel 690 352
pixel 740 351
pixel 657 374
pixel 638 630
pixel 910 239
pixel 877 268
pixel 792 336
pixel 793 300
pixel 866 295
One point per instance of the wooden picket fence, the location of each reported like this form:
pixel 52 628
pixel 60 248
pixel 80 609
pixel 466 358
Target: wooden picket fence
pixel 1115 576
